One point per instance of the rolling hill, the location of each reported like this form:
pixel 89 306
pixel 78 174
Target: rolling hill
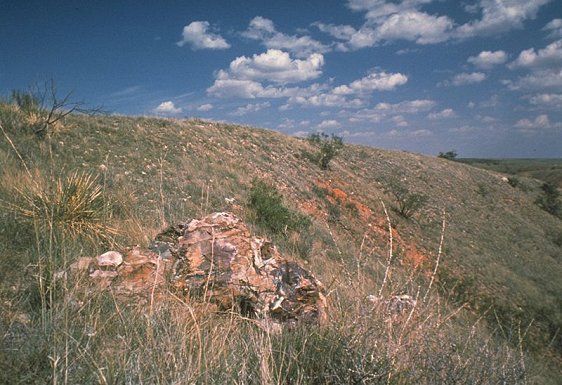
pixel 479 250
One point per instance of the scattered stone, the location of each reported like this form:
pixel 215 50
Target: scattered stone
pixel 400 303
pixel 111 259
pixel 396 304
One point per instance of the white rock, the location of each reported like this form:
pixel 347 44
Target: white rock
pixel 110 259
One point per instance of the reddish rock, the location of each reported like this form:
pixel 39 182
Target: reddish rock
pixel 215 260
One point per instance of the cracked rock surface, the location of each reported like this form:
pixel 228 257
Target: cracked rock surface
pixel 214 259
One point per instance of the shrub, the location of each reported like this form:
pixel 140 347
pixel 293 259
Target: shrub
pixel 513 181
pixel 25 100
pixel 549 200
pixel 270 212
pixel 328 147
pixel 406 202
pixel 449 155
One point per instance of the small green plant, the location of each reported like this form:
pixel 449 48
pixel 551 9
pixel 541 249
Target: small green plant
pixel 328 147
pixel 25 100
pixel 549 200
pixel 269 211
pixel 449 155
pixel 406 202
pixel 483 190
pixel 513 181
pixel 334 212
pixel 320 192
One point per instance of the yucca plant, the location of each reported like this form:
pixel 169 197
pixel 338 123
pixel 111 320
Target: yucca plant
pixel 70 207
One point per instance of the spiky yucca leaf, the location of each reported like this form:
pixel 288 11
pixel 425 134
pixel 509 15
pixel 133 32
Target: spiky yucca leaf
pixel 74 206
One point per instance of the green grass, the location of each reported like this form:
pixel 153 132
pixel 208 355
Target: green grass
pixel 493 314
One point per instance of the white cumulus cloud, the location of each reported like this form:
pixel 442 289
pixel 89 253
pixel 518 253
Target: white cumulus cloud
pixel 410 25
pixel 384 110
pixel 554 27
pixel 409 106
pixel 499 16
pixel 380 9
pixel 543 81
pixel 468 78
pixel 250 108
pixel 375 81
pixel 400 121
pixel 235 88
pixel 409 133
pixel 488 59
pixel 265 75
pixel 547 100
pixel 540 124
pixel 416 26
pixel 388 20
pixel 205 107
pixel 342 32
pixel 326 100
pixel 167 108
pixel 444 114
pixel 264 30
pixel 544 66
pixel 548 57
pixel 198 36
pixel 274 66
pixel 328 124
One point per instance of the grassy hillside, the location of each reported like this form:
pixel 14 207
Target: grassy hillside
pixel 547 170
pixel 489 303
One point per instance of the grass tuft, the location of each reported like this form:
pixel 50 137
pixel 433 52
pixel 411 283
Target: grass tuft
pixel 72 206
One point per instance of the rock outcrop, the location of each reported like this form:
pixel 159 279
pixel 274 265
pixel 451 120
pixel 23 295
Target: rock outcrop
pixel 215 260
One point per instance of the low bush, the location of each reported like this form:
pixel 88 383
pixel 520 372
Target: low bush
pixel 328 147
pixel 513 181
pixel 449 155
pixel 407 203
pixel 549 200
pixel 266 204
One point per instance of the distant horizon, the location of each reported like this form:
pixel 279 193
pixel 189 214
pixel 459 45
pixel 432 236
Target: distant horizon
pixel 483 78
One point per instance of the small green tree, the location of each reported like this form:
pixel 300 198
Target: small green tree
pixel 449 155
pixel 549 200
pixel 328 146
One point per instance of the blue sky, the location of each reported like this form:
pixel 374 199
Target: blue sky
pixel 483 77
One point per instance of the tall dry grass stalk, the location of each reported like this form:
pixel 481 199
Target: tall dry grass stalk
pixel 390 248
pixel 15 150
pixel 439 251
